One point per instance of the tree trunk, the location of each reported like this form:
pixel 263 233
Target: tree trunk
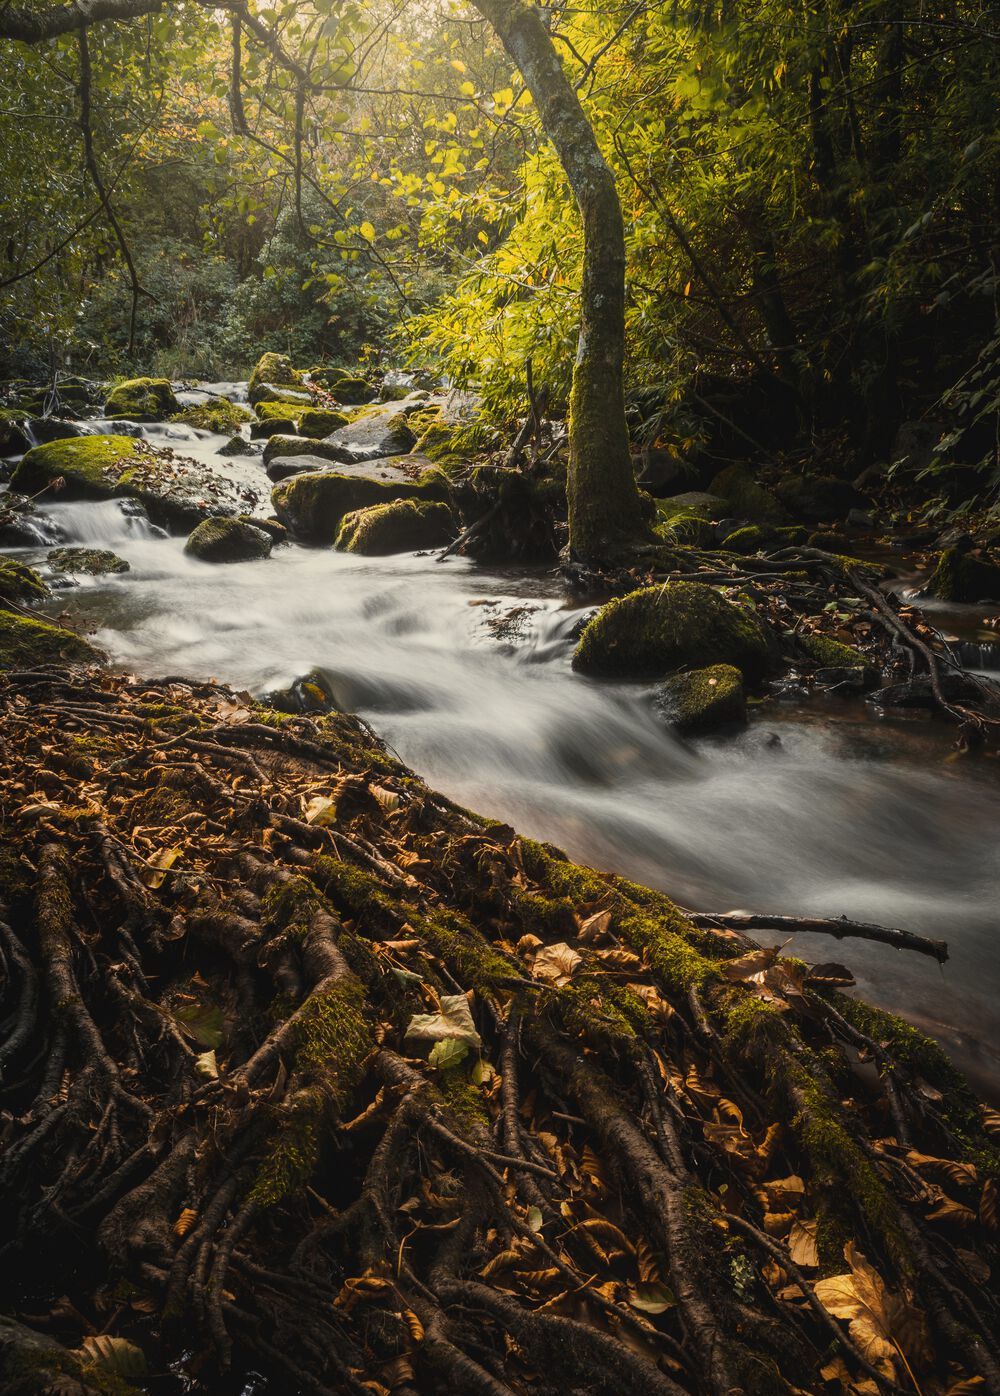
pixel 605 510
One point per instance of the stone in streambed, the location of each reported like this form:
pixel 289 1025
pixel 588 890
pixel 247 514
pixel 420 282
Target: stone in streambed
pixel 218 415
pixel 92 562
pixel 19 582
pixel 962 575
pixel 745 497
pixel 228 540
pixel 173 490
pixel 275 380
pixel 703 700
pixel 405 525
pixel 26 643
pixel 657 630
pixel 312 505
pixel 142 399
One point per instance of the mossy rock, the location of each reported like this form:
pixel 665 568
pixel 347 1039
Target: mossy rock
pixel 830 542
pixel 830 653
pixel 312 505
pixel 344 385
pixel 19 582
pixel 745 498
pixel 965 577
pixel 819 498
pixel 282 424
pixel 273 372
pixel 749 539
pixel 404 526
pixel 228 540
pixel 318 422
pixel 172 491
pixel 220 415
pixel 92 562
pixel 13 434
pixel 657 630
pixel 26 642
pixel 142 399
pixel 277 532
pixel 435 439
pixel 274 412
pixel 704 699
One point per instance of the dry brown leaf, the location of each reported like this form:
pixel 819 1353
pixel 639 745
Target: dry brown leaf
pixel 877 1321
pixel 185 1221
pixel 556 964
pixel 802 1244
pixel 964 1174
pixel 951 1211
pixel 157 867
pixel 594 927
pixel 988 1204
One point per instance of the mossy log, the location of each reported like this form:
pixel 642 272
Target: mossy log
pixel 310 1073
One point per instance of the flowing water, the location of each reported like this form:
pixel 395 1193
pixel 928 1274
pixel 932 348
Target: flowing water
pixel 816 808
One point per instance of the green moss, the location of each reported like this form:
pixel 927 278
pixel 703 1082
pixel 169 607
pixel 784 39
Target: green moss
pixel 961 576
pixel 92 562
pixel 704 699
pixel 464 1100
pixel 749 539
pixel 92 466
pixel 312 505
pixel 138 398
pixel 402 526
pixel 218 415
pixel 273 371
pixel 828 652
pixel 25 643
pixel 586 1007
pixel 679 522
pixel 317 422
pixel 277 412
pixel 659 629
pixel 745 497
pixel 19 582
pixel 228 540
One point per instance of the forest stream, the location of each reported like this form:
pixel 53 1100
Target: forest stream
pixel 817 808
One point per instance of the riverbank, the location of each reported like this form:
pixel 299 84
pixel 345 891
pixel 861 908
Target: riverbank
pixel 316 1016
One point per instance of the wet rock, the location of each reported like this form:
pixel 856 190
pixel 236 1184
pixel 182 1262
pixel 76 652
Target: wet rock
pixel 14 437
pixel 405 525
pixel 345 386
pixel 273 374
pixel 313 504
pixel 235 446
pixel 919 693
pixel 285 466
pixel 41 429
pixel 964 575
pixel 860 518
pixel 704 699
pixel 19 582
pixel 843 680
pixel 172 490
pixel 142 400
pixel 22 526
pixel 228 540
pixel 26 643
pixel 746 499
pixel 822 649
pixel 218 415
pixel 310 694
pixel 380 431
pixel 288 446
pixel 749 539
pixel 318 422
pixel 657 630
pixel 819 498
pixel 90 562
pixel 276 531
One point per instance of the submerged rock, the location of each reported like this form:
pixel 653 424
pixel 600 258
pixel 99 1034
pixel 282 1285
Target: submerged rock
pixel 26 642
pixel 228 540
pixel 704 699
pixel 142 399
pixel 745 497
pixel 235 446
pixel 312 505
pixel 405 525
pixel 656 630
pixel 310 694
pixel 93 562
pixel 173 490
pixel 965 576
pixel 18 582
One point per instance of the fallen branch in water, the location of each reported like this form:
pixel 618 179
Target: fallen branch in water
pixel 839 926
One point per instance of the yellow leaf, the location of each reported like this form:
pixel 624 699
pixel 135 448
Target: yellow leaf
pixel 159 865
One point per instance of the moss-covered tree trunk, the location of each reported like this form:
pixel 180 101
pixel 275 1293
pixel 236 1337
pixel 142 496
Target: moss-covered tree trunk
pixel 605 511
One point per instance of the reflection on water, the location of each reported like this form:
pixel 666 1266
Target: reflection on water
pixel 811 810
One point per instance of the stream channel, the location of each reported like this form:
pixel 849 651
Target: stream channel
pixel 819 807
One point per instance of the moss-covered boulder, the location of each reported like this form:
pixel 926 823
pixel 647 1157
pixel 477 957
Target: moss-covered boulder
pixel 26 642
pixel 173 491
pixel 657 630
pixel 218 415
pixel 403 526
pixel 749 539
pixel 19 582
pixel 312 505
pixel 281 425
pixel 277 532
pixel 228 540
pixel 965 576
pixel 142 399
pixel 289 446
pixel 91 562
pixel 13 432
pixel 320 421
pixel 745 498
pixel 819 498
pixel 830 541
pixel 828 652
pixel 704 699
pixel 344 385
pixel 272 373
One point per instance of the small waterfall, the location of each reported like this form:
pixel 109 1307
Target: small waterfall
pixel 981 657
pixel 102 524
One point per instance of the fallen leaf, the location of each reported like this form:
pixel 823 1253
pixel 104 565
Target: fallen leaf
pixel 154 874
pixel 802 1244
pixel 651 1298
pixel 450 1051
pixel 556 964
pixel 454 1019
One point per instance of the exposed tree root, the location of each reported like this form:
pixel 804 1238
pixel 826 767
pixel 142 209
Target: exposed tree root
pixel 306 1071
